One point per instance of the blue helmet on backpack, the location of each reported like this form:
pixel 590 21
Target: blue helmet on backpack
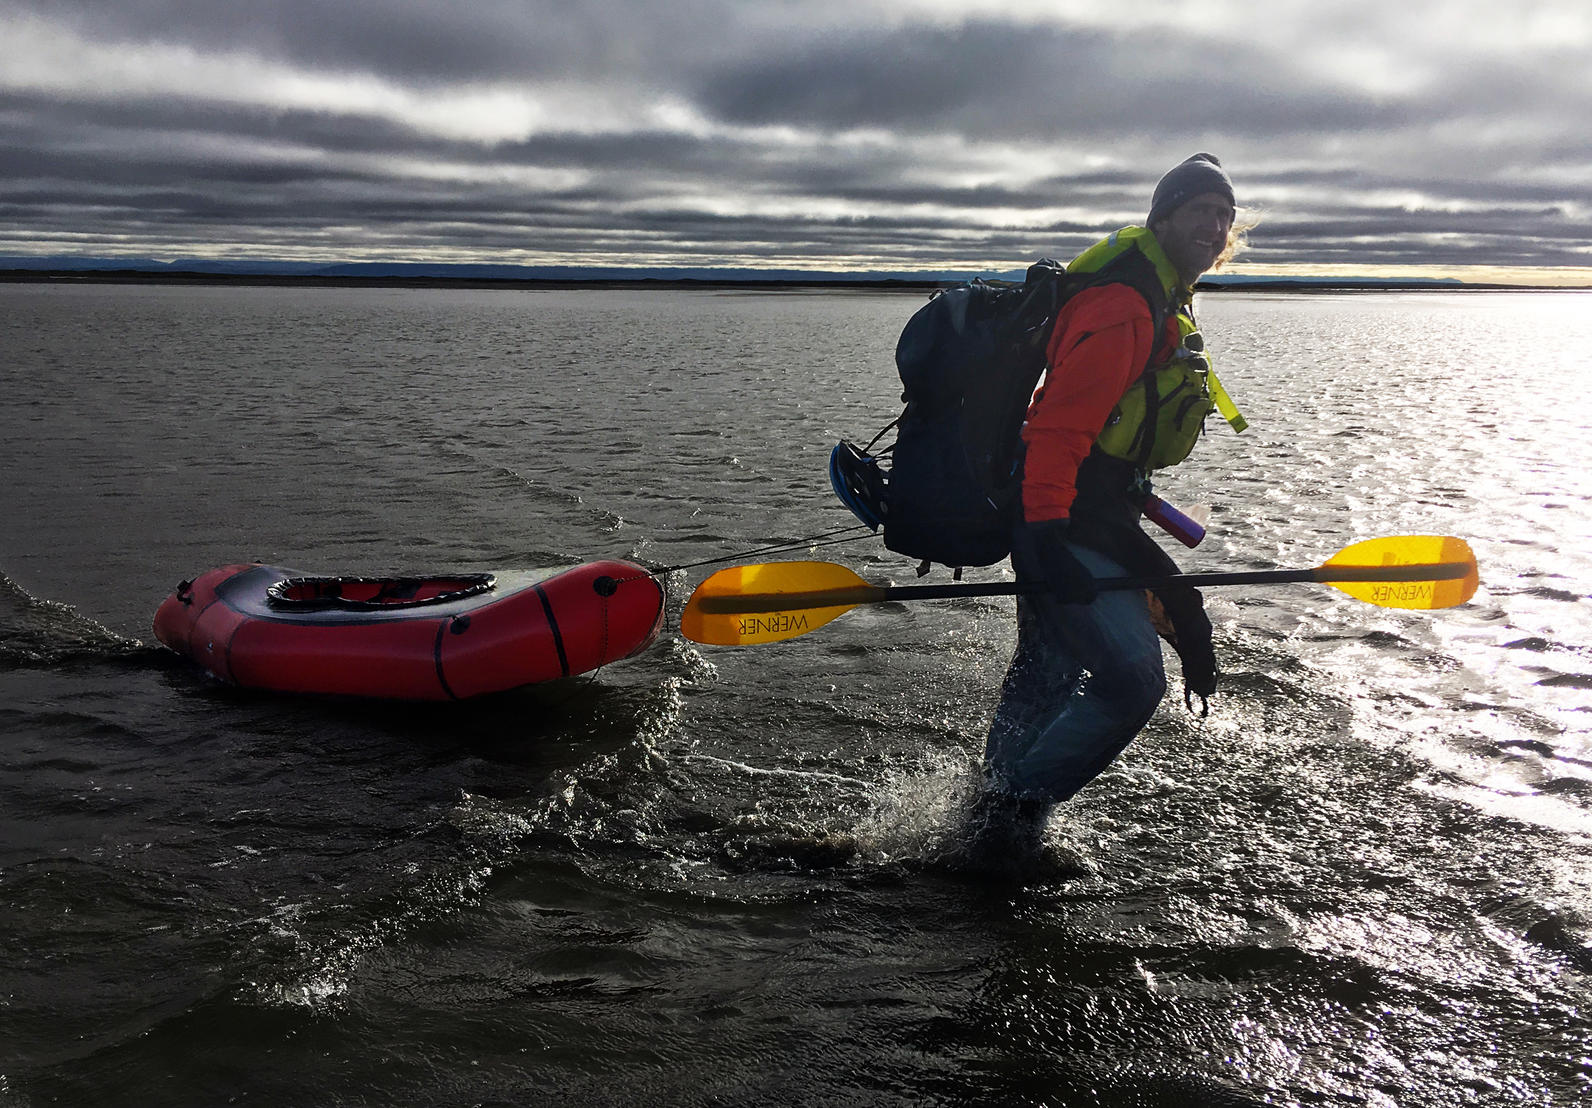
pixel 859 483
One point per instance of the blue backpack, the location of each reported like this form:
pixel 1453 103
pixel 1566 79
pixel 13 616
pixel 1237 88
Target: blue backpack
pixel 969 361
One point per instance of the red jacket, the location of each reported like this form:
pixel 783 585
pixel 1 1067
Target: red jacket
pixel 1100 344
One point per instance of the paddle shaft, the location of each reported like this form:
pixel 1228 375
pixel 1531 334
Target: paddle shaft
pixel 850 596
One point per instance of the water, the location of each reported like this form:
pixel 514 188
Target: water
pixel 711 876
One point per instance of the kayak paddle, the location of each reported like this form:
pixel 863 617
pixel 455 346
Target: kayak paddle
pixel 774 601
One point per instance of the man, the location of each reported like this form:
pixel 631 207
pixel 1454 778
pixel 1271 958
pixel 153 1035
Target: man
pixel 1087 672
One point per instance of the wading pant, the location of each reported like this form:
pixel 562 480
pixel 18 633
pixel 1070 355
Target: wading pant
pixel 1084 680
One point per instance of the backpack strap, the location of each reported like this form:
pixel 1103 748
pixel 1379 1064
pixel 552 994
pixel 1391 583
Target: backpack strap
pixel 883 431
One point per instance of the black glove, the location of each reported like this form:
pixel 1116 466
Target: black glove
pixel 1069 580
pixel 1191 638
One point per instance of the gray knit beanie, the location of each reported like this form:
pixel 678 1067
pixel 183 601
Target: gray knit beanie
pixel 1200 174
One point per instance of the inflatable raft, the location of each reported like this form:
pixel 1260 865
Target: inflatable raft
pixel 410 638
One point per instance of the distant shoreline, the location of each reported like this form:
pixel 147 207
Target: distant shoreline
pixel 180 277
pixel 145 277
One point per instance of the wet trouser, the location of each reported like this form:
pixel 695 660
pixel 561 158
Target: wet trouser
pixel 1084 680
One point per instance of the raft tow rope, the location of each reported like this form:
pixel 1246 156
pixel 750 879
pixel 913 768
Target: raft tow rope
pixel 607 586
pixel 825 539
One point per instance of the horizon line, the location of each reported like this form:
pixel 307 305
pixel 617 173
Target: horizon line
pixel 260 266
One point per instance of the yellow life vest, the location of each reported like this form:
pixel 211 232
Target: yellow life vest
pixel 1160 417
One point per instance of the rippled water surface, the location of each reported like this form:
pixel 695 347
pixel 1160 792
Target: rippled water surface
pixel 714 876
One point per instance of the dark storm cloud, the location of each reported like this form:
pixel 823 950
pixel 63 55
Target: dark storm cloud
pixel 424 41
pixel 427 41
pixel 882 132
pixel 995 78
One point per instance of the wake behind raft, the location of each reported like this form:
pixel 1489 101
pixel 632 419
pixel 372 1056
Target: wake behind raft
pixel 410 638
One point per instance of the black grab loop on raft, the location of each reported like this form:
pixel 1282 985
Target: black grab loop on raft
pixel 375 594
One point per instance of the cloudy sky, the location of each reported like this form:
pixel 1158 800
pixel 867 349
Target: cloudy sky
pixel 820 134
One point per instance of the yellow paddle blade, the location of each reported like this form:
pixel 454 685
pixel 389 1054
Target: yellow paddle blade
pixel 1405 571
pixel 770 602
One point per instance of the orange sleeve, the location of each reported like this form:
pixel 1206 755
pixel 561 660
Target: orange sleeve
pixel 1100 344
